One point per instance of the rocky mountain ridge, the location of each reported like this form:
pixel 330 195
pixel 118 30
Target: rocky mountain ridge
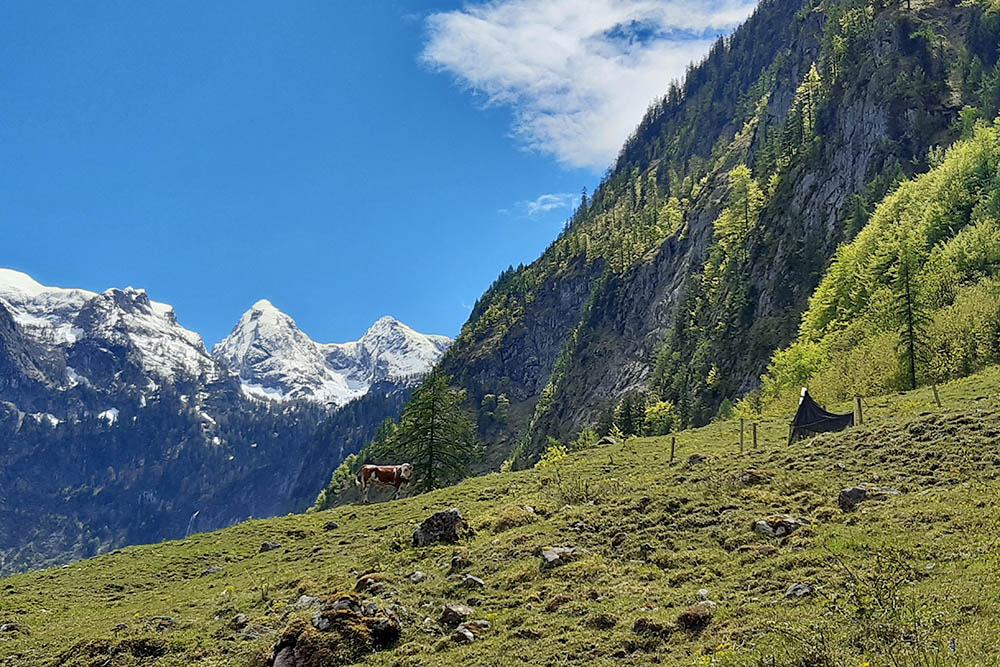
pixel 277 360
pixel 118 427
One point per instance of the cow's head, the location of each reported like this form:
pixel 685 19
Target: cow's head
pixel 406 471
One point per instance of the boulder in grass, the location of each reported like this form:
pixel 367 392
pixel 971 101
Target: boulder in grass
pixel 269 546
pixel 446 526
pixel 779 525
pixel 343 631
pixel 798 591
pixel 555 556
pixel 455 614
pixel 853 496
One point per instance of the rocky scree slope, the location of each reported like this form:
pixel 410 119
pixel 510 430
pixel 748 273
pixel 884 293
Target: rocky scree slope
pixel 828 103
pixel 579 563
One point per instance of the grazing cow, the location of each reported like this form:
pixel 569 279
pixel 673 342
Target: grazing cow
pixel 396 476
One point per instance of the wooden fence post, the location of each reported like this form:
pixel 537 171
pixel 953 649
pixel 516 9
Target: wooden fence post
pixel 673 441
pixel 937 398
pixel 741 435
pixel 754 427
pixel 859 418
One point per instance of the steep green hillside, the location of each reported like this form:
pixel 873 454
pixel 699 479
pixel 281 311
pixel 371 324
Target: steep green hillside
pixel 722 212
pixel 922 272
pixel 911 580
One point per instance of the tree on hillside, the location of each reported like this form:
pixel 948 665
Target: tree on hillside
pixel 435 434
pixel 740 217
pixel 910 312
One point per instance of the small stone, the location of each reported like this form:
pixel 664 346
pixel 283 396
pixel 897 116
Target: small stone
pixel 798 590
pixel 215 569
pixel 459 561
pixel 702 594
pixel 462 635
pixel 162 623
pixel 618 540
pixel 331 525
pixel 779 525
pixel 455 614
pixel 554 556
pixel 239 622
pixel 417 577
pixel 470 581
pixel 607 440
pixel 269 546
pixel 528 508
pixel 853 496
pixel 646 550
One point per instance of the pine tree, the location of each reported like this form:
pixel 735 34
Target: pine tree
pixel 436 435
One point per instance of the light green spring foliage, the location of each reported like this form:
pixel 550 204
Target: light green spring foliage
pixel 661 418
pixel 948 222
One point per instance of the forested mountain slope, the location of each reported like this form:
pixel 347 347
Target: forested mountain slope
pixel 696 257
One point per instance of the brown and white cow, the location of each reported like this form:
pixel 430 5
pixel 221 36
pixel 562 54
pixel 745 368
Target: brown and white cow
pixel 396 476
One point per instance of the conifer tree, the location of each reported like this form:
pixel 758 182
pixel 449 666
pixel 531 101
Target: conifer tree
pixel 911 314
pixel 436 435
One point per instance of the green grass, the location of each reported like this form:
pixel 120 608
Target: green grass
pixel 896 581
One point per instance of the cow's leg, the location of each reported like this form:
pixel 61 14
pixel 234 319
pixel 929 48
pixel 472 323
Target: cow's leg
pixel 365 486
pixel 395 494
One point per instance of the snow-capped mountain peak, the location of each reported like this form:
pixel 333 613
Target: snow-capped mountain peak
pixel 117 331
pixel 277 360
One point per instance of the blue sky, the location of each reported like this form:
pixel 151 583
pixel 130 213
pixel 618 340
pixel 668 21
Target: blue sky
pixel 344 160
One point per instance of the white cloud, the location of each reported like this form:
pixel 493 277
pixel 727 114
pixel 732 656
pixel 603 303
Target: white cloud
pixel 578 74
pixel 550 202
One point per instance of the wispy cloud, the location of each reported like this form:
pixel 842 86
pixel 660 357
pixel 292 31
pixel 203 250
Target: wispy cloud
pixel 578 74
pixel 550 202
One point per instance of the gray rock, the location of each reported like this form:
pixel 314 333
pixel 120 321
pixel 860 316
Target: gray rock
pixel 702 594
pixel 269 546
pixel 779 525
pixel 646 550
pixel 331 525
pixel 459 561
pixel 555 556
pixel 607 440
pixel 469 631
pixel 853 496
pixel 417 577
pixel 446 526
pixel 239 622
pixel 306 602
pixel 455 614
pixel 215 569
pixel 799 590
pixel 470 581
pixel 618 540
